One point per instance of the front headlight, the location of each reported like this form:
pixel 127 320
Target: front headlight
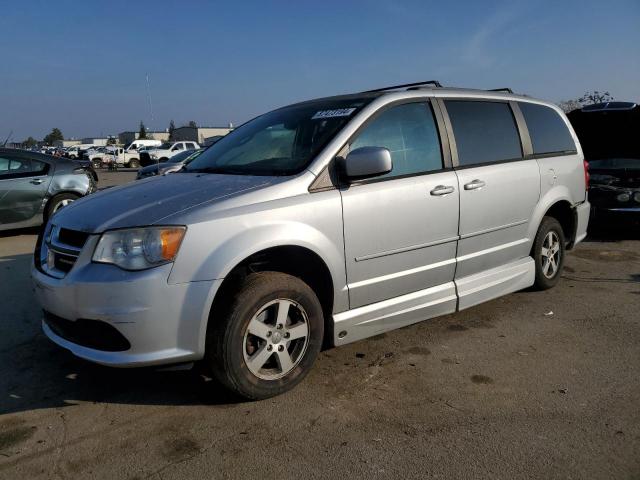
pixel 139 248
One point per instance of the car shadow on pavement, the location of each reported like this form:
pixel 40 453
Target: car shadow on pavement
pixel 21 231
pixel 36 374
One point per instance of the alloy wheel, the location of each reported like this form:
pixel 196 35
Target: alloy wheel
pixel 276 339
pixel 550 254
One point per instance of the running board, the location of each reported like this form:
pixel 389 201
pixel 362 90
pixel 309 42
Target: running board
pixel 380 317
pixel 494 283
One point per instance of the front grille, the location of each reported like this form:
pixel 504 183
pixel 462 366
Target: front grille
pixel 73 238
pixel 63 262
pixel 59 249
pixel 94 334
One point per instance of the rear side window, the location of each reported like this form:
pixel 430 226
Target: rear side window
pixel 484 131
pixel 409 132
pixel 548 132
pixel 20 167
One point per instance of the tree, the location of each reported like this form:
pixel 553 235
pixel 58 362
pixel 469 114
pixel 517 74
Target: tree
pixel 589 98
pixel 142 133
pixel 172 127
pixel 192 124
pixel 30 142
pixel 569 105
pixel 55 135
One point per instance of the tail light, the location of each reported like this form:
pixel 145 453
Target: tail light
pixel 586 175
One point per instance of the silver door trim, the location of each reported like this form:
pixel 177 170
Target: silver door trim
pixel 402 273
pixel 406 249
pixel 492 249
pixel 493 229
pixel 496 282
pixel 379 317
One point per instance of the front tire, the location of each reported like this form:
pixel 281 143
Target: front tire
pixel 548 253
pixel 265 342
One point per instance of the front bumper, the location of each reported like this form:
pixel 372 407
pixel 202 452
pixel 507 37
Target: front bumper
pixel 163 323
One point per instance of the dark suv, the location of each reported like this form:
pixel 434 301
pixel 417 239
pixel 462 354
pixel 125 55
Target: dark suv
pixel 610 139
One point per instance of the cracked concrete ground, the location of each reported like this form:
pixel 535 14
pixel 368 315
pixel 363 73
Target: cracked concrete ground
pixel 502 390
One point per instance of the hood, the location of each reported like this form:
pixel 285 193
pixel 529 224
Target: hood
pixel 149 201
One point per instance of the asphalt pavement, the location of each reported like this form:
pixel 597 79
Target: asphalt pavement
pixel 531 385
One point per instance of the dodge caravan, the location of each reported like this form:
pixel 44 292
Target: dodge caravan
pixel 321 223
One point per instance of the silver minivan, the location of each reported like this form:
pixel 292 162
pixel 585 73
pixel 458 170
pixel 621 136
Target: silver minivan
pixel 320 223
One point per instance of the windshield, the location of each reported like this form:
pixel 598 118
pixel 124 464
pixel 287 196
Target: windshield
pixel 282 142
pixel 609 134
pixel 165 146
pixel 615 163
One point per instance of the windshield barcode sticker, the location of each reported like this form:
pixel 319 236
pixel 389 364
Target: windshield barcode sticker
pixel 340 112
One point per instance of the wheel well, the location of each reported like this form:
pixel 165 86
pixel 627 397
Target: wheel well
pixel 293 260
pixel 566 216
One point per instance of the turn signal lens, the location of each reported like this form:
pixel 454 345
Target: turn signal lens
pixel 170 239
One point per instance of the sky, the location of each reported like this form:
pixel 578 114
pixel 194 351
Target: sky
pixel 82 66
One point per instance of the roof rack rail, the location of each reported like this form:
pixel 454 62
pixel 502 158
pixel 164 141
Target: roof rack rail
pixel 503 89
pixel 435 83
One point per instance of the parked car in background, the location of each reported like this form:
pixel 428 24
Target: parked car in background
pixel 172 165
pixel 324 222
pixel 34 186
pixel 610 137
pixel 77 151
pixel 165 152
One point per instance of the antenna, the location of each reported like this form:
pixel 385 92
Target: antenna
pixel 8 138
pixel 149 98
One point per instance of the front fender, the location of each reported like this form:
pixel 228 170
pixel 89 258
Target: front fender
pixel 212 249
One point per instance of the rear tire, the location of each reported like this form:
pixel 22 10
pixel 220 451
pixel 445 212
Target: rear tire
pixel 265 342
pixel 134 163
pixel 59 201
pixel 548 253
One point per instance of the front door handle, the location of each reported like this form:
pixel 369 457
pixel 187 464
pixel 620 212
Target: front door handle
pixel 474 185
pixel 442 190
pixel 37 181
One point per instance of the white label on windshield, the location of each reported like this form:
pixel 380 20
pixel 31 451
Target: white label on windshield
pixel 340 112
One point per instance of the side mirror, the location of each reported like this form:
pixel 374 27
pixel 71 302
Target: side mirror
pixel 366 162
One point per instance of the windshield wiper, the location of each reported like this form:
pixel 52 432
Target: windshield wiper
pixel 219 170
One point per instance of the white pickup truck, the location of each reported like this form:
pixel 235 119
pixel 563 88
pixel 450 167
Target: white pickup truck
pixel 121 157
pixel 165 151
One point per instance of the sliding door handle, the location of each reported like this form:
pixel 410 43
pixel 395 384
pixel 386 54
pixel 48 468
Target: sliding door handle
pixel 474 185
pixel 442 190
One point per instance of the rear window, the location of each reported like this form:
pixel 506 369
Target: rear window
pixel 548 132
pixel 484 131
